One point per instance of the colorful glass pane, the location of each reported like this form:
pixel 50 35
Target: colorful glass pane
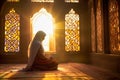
pixel 42 0
pixel 99 28
pixel 72 38
pixel 73 1
pixel 114 26
pixel 12 32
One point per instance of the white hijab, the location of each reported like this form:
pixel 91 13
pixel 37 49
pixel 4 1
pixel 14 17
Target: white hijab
pixel 34 47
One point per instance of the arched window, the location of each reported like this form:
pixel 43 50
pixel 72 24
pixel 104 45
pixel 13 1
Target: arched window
pixel 114 26
pixel 44 21
pixel 72 38
pixel 12 32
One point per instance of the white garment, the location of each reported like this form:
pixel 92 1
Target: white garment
pixel 34 47
pixel 32 51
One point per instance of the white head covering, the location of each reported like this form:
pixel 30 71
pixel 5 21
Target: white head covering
pixel 34 47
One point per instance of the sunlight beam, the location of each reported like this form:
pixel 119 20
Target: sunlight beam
pixel 43 20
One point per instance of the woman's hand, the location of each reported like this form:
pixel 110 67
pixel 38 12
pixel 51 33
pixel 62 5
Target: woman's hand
pixel 27 69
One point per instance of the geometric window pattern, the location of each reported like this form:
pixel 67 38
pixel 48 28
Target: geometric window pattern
pixel 114 26
pixel 72 38
pixel 12 32
pixel 73 1
pixel 42 0
pixel 99 27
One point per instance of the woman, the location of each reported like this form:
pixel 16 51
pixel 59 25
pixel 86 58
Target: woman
pixel 36 57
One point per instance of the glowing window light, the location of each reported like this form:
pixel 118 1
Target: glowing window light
pixel 42 0
pixel 12 32
pixel 43 20
pixel 72 39
pixel 73 1
pixel 99 27
pixel 114 26
pixel 12 0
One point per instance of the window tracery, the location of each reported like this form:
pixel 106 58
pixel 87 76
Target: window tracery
pixel 72 38
pixel 114 26
pixel 12 32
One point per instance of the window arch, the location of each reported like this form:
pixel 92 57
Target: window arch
pixel 72 39
pixel 114 26
pixel 12 32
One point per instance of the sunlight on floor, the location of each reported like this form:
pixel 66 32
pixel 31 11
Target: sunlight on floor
pixel 64 72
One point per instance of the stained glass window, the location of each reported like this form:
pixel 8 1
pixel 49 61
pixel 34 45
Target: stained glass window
pixel 72 38
pixel 114 26
pixel 12 32
pixel 73 1
pixel 99 28
pixel 42 0
pixel 13 0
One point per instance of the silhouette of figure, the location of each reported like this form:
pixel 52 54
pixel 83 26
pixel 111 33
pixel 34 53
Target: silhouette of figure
pixel 36 57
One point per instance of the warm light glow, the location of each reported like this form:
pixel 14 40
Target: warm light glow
pixel 43 20
pixel 73 1
pixel 13 0
pixel 12 32
pixel 42 0
pixel 72 38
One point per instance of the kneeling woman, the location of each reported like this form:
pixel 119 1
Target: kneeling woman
pixel 36 57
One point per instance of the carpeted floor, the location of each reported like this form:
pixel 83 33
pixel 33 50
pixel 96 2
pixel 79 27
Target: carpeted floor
pixel 66 71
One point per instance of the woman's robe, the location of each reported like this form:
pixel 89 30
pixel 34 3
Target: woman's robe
pixel 43 63
pixel 37 59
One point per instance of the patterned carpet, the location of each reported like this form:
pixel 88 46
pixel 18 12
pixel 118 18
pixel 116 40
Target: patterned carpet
pixel 67 71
